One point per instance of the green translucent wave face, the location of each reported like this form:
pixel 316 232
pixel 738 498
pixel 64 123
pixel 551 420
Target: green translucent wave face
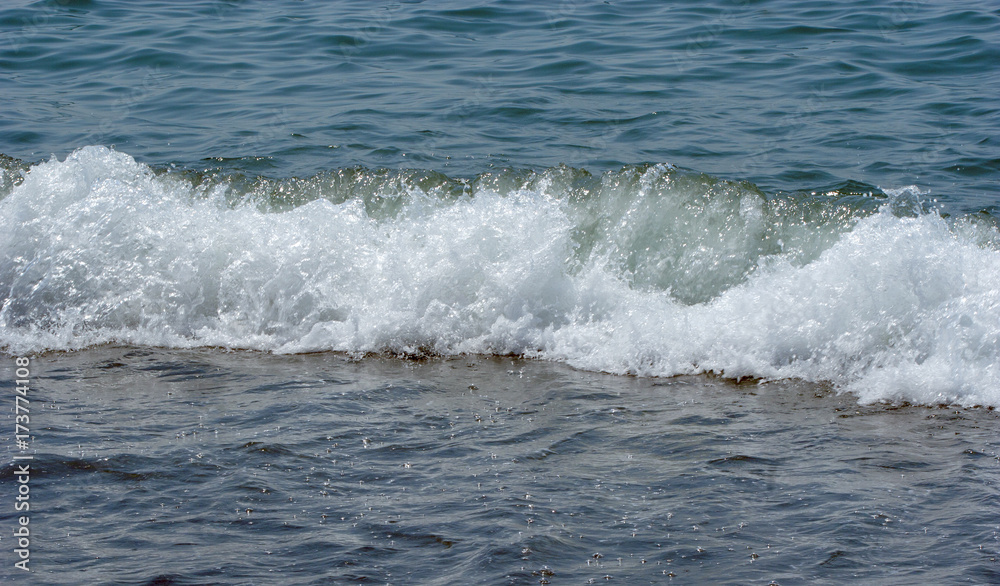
pixel 11 173
pixel 657 227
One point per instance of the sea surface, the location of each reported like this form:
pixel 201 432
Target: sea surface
pixel 501 293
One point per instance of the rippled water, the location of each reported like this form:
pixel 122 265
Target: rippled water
pixel 790 95
pixel 317 469
pixel 488 292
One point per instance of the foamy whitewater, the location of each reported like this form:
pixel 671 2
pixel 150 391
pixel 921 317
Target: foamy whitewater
pixel 652 271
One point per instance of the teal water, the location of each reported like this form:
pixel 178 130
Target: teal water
pixel 789 95
pixel 439 292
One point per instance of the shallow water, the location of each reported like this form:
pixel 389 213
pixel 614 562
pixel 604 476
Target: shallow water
pixel 195 467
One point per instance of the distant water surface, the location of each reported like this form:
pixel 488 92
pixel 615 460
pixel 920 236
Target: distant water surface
pixel 789 95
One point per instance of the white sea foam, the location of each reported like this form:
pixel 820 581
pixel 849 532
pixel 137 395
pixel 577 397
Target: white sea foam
pixel 654 275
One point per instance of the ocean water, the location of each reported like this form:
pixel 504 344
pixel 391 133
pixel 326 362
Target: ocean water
pixel 435 292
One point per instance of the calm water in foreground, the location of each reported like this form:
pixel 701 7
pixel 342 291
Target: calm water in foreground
pixel 199 467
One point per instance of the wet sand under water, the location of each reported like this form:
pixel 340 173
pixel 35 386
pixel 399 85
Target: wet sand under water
pixel 207 466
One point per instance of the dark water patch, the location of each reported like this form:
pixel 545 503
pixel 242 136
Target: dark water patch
pixel 126 468
pixel 741 461
pixel 974 454
pixel 841 559
pixel 266 449
pixel 911 466
pixel 167 580
pixel 699 420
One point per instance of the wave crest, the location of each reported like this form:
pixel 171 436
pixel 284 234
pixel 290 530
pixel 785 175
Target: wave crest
pixel 648 270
